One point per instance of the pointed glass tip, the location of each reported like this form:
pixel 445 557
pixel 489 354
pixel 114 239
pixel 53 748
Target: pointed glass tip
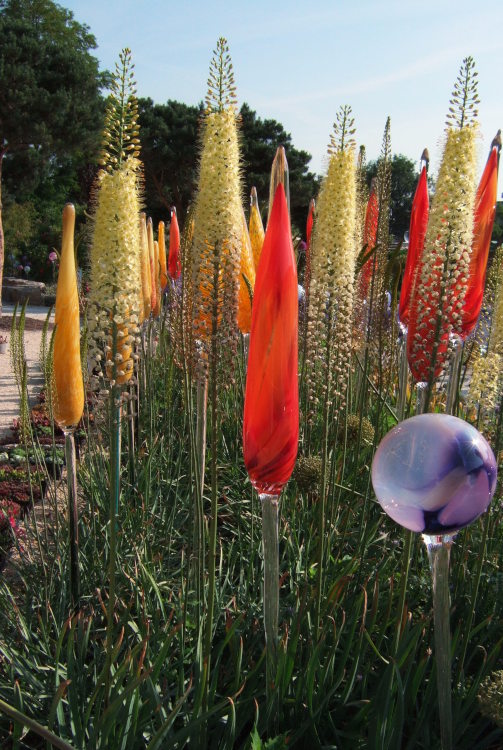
pixel 279 174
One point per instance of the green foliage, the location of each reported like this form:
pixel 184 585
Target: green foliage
pixel 50 116
pixel 497 236
pixel 259 141
pixel 366 680
pixel 19 222
pixel 50 83
pixel 169 151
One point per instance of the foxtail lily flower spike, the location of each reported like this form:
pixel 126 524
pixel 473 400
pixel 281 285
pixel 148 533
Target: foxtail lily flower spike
pixel 439 292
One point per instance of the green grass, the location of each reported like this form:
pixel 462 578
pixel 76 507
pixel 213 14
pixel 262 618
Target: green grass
pixel 365 680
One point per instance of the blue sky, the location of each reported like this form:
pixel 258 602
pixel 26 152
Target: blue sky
pixel 299 61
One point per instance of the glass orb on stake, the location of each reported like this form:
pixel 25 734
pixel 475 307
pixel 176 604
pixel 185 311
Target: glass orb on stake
pixel 435 474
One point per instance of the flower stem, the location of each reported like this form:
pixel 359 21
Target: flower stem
pixel 200 454
pixel 271 590
pixel 115 453
pixel 454 375
pixel 403 369
pixel 131 434
pixel 73 518
pixel 439 550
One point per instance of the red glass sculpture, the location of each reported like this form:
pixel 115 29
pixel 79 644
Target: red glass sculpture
pixel 271 412
pixel 309 223
pixel 174 263
pixel 417 233
pixel 369 241
pixel 309 230
pixel 485 209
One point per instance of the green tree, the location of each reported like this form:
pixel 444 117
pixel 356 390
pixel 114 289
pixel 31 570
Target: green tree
pixel 404 177
pixel 497 236
pixel 260 139
pixel 50 101
pixel 169 136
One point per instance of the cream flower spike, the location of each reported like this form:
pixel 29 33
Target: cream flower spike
pixel 333 256
pixel 216 247
pixel 115 251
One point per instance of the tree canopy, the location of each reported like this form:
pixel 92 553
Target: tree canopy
pixel 50 100
pixel 260 139
pixel 169 135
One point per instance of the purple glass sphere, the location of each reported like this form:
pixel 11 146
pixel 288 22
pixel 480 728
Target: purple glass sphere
pixel 434 474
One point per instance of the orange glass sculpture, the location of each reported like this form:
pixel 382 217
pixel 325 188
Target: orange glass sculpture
pixel 146 292
pixel 271 412
pixel 174 264
pixel 69 387
pixel 417 233
pixel 256 227
pixel 157 280
pixel 162 255
pixel 369 241
pixel 246 281
pixel 151 256
pixel 309 231
pixel 485 209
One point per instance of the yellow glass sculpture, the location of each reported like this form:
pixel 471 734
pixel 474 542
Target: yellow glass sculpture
pixel 69 387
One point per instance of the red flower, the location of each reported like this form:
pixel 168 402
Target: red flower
pixel 271 412
pixel 417 233
pixel 485 209
pixel 174 264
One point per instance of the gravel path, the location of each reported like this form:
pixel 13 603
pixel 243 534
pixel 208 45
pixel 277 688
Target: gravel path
pixel 9 397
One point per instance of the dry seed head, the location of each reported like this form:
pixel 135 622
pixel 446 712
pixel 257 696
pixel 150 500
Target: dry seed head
pixel 307 473
pixel 490 697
